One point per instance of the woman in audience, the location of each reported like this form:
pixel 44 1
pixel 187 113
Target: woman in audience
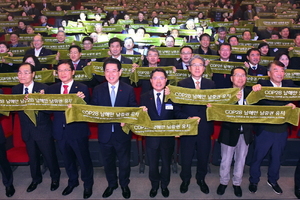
pixel 6 67
pixel 32 59
pixel 264 49
pixel 284 58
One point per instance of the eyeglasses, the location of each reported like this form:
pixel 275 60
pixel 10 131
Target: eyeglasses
pixel 87 43
pixel 184 53
pixel 64 70
pixel 197 65
pixel 239 75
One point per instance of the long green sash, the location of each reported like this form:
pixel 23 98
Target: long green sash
pixel 222 67
pixel 274 93
pixel 103 114
pixel 165 128
pixel 202 97
pixel 273 22
pixel 253 114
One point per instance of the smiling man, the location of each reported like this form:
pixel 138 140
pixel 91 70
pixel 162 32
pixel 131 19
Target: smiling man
pixel 114 142
pixel 186 53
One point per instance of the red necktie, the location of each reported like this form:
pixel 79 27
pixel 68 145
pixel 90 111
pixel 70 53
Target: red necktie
pixel 65 89
pixel 75 65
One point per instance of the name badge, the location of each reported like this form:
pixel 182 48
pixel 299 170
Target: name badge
pixel 169 107
pixel 239 57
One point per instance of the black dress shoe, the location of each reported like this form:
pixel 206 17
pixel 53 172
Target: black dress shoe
pixel 203 187
pixel 184 187
pixel 237 191
pixel 54 185
pixel 126 192
pixel 32 186
pixel 221 189
pixel 153 193
pixel 108 191
pixel 87 193
pixel 297 192
pixel 253 187
pixel 276 188
pixel 10 191
pixel 68 190
pixel 165 192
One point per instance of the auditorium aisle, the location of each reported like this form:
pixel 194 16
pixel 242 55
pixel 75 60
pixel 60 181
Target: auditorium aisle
pixel 140 186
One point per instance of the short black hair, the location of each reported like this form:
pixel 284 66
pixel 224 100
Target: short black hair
pixel 87 39
pixel 158 70
pixel 5 44
pixel 112 40
pixel 275 62
pixel 204 35
pixel 31 67
pixel 170 36
pixel 68 62
pixel 139 29
pixel 186 47
pixel 75 46
pixel 224 44
pixel 112 61
pixel 37 66
pixel 238 67
pixel 252 49
pixel 246 31
pixel 233 36
pixel 277 56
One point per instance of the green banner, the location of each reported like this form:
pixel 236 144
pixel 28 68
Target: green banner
pixel 40 29
pixel 240 49
pixel 152 29
pixel 253 114
pixel 168 52
pixel 57 46
pixel 10 79
pixel 250 43
pixel 125 22
pixel 144 73
pixel 103 114
pixel 81 76
pixel 252 80
pixel 293 74
pixel 273 22
pixel 35 101
pixel 202 97
pixel 280 43
pixel 116 28
pixel 53 13
pixel 8 24
pixel 165 128
pixel 295 52
pixel 19 51
pixel 265 60
pixel 286 16
pixel 76 12
pixel 85 54
pixel 222 67
pixel 274 93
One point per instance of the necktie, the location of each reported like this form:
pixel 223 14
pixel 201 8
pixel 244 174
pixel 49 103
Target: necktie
pixel 75 65
pixel 254 68
pixel 197 85
pixel 112 100
pixel 158 104
pixel 65 89
pixel 26 90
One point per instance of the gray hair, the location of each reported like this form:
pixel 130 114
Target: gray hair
pixel 196 57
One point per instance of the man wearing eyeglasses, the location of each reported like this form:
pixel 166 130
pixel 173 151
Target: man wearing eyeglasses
pixel 235 139
pixel 72 138
pixel 186 53
pixel 38 139
pixel 201 142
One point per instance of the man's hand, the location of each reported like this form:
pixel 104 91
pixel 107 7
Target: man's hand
pixel 134 66
pixel 256 87
pixel 122 124
pixel 195 117
pixel 145 109
pixel 209 105
pixel 167 90
pixel 239 95
pixel 246 64
pixel 291 104
pixel 80 94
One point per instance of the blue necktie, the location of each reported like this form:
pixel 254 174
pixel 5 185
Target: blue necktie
pixel 112 100
pixel 26 90
pixel 158 104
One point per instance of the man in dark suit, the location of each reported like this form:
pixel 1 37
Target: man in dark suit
pixel 159 147
pixel 38 138
pixel 201 143
pixel 38 49
pixel 114 143
pixel 7 174
pixel 204 46
pixel 141 18
pixel 186 53
pixel 14 40
pixel 270 137
pixel 223 80
pixel 235 139
pixel 75 55
pixel 73 138
pixel 255 69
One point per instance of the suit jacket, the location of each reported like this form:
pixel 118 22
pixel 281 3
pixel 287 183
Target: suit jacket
pixel 43 129
pixel 134 52
pixel 2 136
pixel 18 45
pixel 222 80
pixel 148 100
pixel 82 63
pixel 275 128
pixel 204 127
pixel 44 52
pixel 230 132
pixel 209 51
pixel 260 71
pixel 125 97
pixel 74 130
pixel 179 65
